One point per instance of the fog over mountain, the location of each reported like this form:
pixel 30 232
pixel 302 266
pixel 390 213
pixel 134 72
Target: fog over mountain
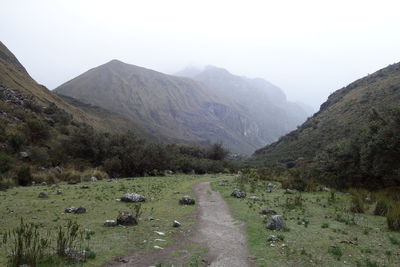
pixel 308 48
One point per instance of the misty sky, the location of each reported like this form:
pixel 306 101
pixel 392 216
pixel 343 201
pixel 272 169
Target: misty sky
pixel 308 48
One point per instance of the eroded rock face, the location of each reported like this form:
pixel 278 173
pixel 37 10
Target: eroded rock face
pixel 238 194
pixel 276 223
pixel 187 200
pixel 133 197
pixel 126 219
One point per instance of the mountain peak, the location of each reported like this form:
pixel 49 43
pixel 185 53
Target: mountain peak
pixel 8 56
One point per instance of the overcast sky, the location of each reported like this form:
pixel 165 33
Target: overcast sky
pixel 308 48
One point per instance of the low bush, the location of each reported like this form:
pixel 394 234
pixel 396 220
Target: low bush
pixel 5 162
pixel 382 207
pixel 393 217
pixel 24 176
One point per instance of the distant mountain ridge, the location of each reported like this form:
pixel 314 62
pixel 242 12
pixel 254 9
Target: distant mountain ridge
pixel 264 102
pixel 177 109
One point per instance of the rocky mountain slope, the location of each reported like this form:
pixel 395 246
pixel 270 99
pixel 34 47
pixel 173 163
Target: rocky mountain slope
pixel 339 118
pixel 265 103
pixel 16 83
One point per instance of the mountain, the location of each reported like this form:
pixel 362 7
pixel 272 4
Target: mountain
pixel 14 78
pixel 176 109
pixel 263 102
pixel 339 118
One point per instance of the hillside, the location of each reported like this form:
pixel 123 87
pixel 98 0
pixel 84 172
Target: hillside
pixel 339 118
pixel 13 76
pixel 176 109
pixel 265 103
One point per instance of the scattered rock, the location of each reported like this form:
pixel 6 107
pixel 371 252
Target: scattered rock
pixel 273 238
pixel 72 182
pixel 125 218
pixel 238 194
pixel 268 212
pixel 93 179
pixel 80 210
pixel 255 198
pixel 110 223
pixel 169 172
pixel 326 189
pixel 187 200
pixel 54 185
pixel 75 210
pixel 43 195
pixel 225 180
pixel 43 183
pixel 159 233
pixel 84 187
pixel 133 197
pixel 222 184
pixel 23 155
pixel 159 240
pixel 176 224
pixel 276 222
pixel 150 218
pixel 158 247
pixel 59 192
pixel 290 191
pixel 177 192
pixel 58 169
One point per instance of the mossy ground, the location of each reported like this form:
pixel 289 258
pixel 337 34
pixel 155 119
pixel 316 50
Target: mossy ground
pixel 321 232
pixel 101 203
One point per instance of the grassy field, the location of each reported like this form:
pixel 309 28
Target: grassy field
pixel 100 200
pixel 322 231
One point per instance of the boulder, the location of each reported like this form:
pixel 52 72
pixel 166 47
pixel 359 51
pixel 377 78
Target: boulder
pixel 23 155
pixel 290 191
pixel 80 210
pixel 75 210
pixel 93 179
pixel 59 192
pixel 273 238
pixel 268 212
pixel 43 195
pixel 238 194
pixel 187 200
pixel 110 223
pixel 176 224
pixel 126 219
pixel 326 189
pixel 255 198
pixel 133 197
pixel 276 222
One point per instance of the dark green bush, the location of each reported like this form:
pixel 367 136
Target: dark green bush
pixel 37 130
pixel 39 156
pixel 5 162
pixel 24 176
pixel 393 217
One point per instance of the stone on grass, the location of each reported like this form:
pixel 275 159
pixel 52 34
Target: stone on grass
pixel 187 200
pixel 273 238
pixel 84 187
pixel 255 198
pixel 78 210
pixel 276 222
pixel 93 179
pixel 110 223
pixel 158 247
pixel 326 189
pixel 238 194
pixel 290 191
pixel 126 219
pixel 176 224
pixel 159 233
pixel 23 155
pixel 43 195
pixel 72 182
pixel 59 192
pixel 133 197
pixel 268 212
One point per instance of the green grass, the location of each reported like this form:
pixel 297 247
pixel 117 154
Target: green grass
pixel 101 203
pixel 318 230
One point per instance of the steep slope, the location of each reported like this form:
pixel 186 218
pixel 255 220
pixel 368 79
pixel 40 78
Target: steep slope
pixel 174 108
pixel 264 103
pixel 15 77
pixel 345 111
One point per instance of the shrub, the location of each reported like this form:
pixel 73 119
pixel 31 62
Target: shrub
pixel 39 156
pixel 5 162
pixel 382 207
pixel 26 244
pixel 16 141
pixel 357 205
pixel 336 252
pixel 24 176
pixel 393 218
pixel 37 130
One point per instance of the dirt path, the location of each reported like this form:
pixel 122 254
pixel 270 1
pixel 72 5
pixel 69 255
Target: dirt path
pixel 216 230
pixel 223 235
